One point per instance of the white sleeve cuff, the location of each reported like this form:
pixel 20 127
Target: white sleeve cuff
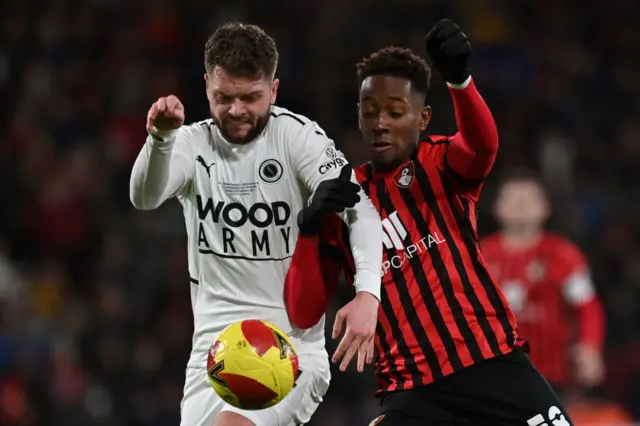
pixel 460 86
pixel 163 138
pixel 368 281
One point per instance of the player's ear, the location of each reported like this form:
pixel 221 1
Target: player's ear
pixel 274 90
pixel 425 117
pixel 546 209
pixel 358 112
pixel 207 83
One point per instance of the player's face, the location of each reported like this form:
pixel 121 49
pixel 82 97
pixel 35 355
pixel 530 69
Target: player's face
pixel 391 116
pixel 240 106
pixel 521 205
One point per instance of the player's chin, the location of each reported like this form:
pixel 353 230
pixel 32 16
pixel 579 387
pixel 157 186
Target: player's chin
pixel 239 134
pixel 386 155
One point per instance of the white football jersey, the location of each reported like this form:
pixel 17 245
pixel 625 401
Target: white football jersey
pixel 240 205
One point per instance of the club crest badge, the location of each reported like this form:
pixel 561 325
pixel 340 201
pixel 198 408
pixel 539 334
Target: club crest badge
pixel 405 176
pixel 536 270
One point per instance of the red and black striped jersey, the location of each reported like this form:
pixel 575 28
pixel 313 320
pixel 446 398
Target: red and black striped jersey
pixel 440 309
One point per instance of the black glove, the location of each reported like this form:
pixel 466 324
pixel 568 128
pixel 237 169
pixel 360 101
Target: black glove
pixel 331 196
pixel 449 49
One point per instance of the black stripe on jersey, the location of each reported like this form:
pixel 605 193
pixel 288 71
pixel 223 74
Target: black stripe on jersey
pixel 393 322
pixel 467 217
pixel 442 141
pixel 407 303
pixel 194 281
pixel 252 259
pixel 447 285
pixel 427 294
pixel 295 117
pixel 466 228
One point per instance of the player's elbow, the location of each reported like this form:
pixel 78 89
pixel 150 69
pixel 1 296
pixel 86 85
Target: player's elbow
pixel 486 146
pixel 302 318
pixel 490 147
pixel 301 315
pixel 139 202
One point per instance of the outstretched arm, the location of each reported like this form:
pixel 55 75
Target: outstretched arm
pixel 165 164
pixel 473 149
pixel 163 168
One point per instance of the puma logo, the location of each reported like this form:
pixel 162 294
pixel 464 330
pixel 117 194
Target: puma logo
pixel 200 160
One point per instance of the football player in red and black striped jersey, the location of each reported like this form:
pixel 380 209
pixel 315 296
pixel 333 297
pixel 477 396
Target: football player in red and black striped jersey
pixel 546 279
pixel 447 342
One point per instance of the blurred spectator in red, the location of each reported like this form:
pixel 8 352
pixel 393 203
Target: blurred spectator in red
pixel 547 282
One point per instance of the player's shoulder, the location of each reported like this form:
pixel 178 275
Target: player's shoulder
pixel 563 249
pixel 362 171
pixel 288 124
pixel 491 241
pixel 433 146
pixel 560 243
pixel 199 129
pixel 433 143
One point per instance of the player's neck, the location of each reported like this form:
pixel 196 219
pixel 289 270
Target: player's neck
pixel 386 168
pixel 521 240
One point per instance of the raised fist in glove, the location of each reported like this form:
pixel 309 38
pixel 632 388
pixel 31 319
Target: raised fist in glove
pixel 449 49
pixel 331 196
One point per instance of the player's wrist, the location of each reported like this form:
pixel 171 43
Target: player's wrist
pixel 163 137
pixel 460 86
pixel 365 293
pixel 368 281
pixel 308 222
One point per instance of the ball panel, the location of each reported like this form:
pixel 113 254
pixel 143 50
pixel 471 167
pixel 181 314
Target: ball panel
pixel 213 353
pixel 253 365
pixel 259 335
pixel 295 370
pixel 286 377
pixel 252 395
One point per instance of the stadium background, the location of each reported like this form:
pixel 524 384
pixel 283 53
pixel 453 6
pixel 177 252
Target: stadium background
pixel 95 317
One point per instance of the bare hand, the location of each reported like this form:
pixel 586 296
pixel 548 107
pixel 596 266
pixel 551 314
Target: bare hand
pixel 589 366
pixel 361 317
pixel 165 114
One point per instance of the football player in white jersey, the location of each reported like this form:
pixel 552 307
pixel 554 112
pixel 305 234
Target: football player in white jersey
pixel 243 177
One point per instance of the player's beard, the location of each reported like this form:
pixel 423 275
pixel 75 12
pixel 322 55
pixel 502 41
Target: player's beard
pixel 256 128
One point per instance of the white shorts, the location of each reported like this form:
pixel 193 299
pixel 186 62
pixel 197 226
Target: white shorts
pixel 201 404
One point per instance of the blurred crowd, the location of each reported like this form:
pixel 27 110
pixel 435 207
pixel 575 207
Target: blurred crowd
pixel 95 321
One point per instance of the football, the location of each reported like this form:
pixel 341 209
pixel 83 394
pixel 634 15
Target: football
pixel 253 365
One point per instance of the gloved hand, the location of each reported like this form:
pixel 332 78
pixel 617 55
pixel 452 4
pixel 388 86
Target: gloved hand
pixel 331 196
pixel 449 49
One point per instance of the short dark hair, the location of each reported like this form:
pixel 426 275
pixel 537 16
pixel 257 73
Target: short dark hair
pixel 242 50
pixel 520 174
pixel 397 62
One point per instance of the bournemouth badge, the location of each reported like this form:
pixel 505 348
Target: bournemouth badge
pixel 405 176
